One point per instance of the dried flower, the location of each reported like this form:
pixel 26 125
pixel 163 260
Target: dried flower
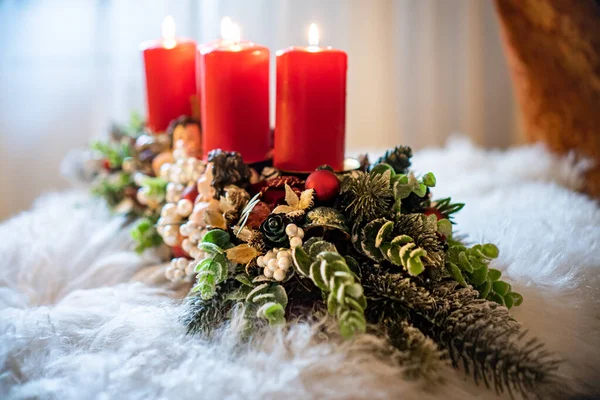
pixel 242 254
pixel 273 190
pixel 296 205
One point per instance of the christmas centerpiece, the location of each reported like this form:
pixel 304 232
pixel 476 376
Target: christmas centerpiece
pixel 270 240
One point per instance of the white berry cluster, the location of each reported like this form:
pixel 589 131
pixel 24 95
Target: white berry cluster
pixel 184 170
pixel 181 269
pixel 174 192
pixel 276 263
pixel 171 216
pixel 295 234
pixel 183 222
pixel 193 235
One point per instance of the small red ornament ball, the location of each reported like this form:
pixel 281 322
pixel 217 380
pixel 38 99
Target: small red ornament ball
pixel 325 183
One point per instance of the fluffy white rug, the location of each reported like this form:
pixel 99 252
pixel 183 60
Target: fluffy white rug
pixel 73 325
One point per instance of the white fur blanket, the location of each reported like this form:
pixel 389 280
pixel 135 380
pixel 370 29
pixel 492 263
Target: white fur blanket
pixel 73 325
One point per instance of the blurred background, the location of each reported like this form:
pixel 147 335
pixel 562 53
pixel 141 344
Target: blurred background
pixel 419 71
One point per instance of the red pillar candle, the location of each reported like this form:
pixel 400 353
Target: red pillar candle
pixel 311 107
pixel 234 87
pixel 170 66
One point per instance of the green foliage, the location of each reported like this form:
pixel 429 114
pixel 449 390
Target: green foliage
pixel 470 266
pixel 396 289
pixel 407 185
pixel 329 271
pixel 112 188
pixel 485 340
pixel 406 274
pixel 447 208
pixel 398 158
pixel 419 355
pixel 410 242
pixel 479 335
pixel 379 193
pixel 214 269
pixel 379 243
pixel 267 301
pixel 114 153
pixel 154 186
pixel 145 235
pixel 135 125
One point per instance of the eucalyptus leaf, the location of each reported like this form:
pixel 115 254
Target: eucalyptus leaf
pixel 210 248
pixel 494 274
pixel 301 261
pixel 218 237
pixel 456 274
pixel 429 179
pixel 500 287
pixel 444 226
pixel 384 233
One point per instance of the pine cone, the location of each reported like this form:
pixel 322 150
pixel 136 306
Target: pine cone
pixel 398 158
pixel 229 169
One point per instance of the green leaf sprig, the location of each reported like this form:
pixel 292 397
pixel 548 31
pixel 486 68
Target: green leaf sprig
pixel 379 243
pixel 114 153
pixel 404 184
pixel 470 266
pixel 145 235
pixel 215 268
pixel 330 272
pixel 154 186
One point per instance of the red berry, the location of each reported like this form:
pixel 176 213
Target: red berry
pixel 190 193
pixel 106 165
pixel 434 211
pixel 325 183
pixel 178 252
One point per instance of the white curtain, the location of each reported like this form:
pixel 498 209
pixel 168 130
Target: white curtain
pixel 419 70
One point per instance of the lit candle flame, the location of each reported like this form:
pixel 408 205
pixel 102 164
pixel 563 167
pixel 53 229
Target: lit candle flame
pixel 225 26
pixel 230 31
pixel 168 32
pixel 313 35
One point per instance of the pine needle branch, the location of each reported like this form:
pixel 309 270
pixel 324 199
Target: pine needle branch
pixel 487 342
pixel 479 335
pixel 420 355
